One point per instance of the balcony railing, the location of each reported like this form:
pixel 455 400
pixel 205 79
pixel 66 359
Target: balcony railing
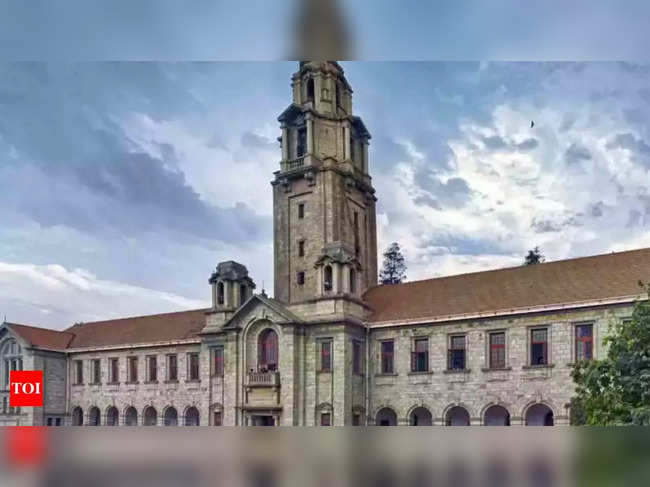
pixel 263 379
pixel 296 163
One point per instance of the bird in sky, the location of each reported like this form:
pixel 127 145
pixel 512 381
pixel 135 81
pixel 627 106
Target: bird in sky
pixel 532 124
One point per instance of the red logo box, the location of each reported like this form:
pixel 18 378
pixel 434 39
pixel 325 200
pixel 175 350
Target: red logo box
pixel 26 388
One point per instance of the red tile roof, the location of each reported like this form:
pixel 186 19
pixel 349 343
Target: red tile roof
pixel 42 337
pixel 585 279
pixel 167 327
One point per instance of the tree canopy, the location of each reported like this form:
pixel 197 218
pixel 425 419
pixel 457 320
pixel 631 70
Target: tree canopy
pixel 616 389
pixel 534 256
pixel 393 270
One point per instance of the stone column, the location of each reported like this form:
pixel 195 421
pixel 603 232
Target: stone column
pixel 365 157
pixel 336 278
pixel 310 135
pixel 346 141
pixel 285 144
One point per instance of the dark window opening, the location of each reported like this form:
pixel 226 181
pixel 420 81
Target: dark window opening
pixel 457 353
pixel 114 370
pixel 327 278
pixel 133 369
pixel 356 419
pixel 300 278
pixel 217 418
pixel 310 89
pixel 353 281
pixel 152 365
pixel 584 342
pixel 301 248
pixel 172 368
pixel 79 373
pixel 539 347
pixel 193 372
pixel 220 293
pixel 268 351
pixel 96 371
pixel 243 293
pixel 497 350
pixel 218 361
pixel 387 366
pixel 301 146
pixel 326 419
pixel 301 210
pixel 326 356
pixel 420 356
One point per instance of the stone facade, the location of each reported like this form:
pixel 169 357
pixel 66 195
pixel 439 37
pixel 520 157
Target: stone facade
pixel 312 355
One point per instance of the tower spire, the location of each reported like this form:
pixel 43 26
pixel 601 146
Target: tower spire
pixel 321 32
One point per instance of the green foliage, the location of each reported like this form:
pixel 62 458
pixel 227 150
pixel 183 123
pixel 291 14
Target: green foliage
pixel 534 257
pixel 393 270
pixel 616 390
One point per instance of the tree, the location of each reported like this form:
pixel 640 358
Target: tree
pixel 393 270
pixel 534 257
pixel 616 390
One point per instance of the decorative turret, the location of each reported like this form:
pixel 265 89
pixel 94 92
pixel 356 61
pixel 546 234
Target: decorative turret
pixel 231 286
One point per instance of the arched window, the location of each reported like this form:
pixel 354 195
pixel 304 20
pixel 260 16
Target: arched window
pixel 112 416
pixel 386 417
pixel 457 416
pixel 243 291
pixel 94 416
pixel 353 281
pixel 327 278
pixel 192 416
pixel 420 417
pixel 131 417
pixel 10 359
pixel 150 416
pixel 268 351
pixel 539 415
pixel 171 417
pixel 77 416
pixel 310 89
pixel 496 416
pixel 220 293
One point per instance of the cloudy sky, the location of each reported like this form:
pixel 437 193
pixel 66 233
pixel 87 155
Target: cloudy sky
pixel 123 184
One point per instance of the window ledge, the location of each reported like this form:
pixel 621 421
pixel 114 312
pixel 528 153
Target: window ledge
pixel 94 383
pixel 421 372
pixel 496 369
pixel 132 382
pixel 382 374
pixel 151 382
pixel 77 384
pixel 193 381
pixel 456 371
pixel 112 383
pixel 541 366
pixel 173 381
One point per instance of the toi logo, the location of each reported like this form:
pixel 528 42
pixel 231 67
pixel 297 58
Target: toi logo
pixel 26 388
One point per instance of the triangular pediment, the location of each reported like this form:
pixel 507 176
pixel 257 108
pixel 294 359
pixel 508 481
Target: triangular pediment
pixel 257 307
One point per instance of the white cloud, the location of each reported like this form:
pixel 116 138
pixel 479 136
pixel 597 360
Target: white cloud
pixel 60 296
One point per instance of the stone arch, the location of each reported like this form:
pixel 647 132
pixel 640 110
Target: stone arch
pixel 539 413
pixel 457 415
pixel 112 416
pixel 191 416
pixel 149 416
pixel 77 416
pixel 252 331
pixel 323 408
pixel 420 415
pixel 130 416
pixel 386 416
pixel 170 416
pixel 268 350
pixel 94 416
pixel 495 414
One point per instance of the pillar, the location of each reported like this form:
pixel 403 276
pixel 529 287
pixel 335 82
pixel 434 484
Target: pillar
pixel 310 135
pixel 285 144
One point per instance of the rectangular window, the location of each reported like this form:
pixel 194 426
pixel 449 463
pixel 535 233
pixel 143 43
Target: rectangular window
pixel 152 368
pixel 420 355
pixel 584 342
pixel 301 248
pixel 172 368
pixel 387 365
pixel 97 377
pixel 57 422
pixel 498 350
pixel 457 353
pixel 193 366
pixel 133 369
pixel 326 419
pixel 301 210
pixel 114 370
pixel 49 421
pixel 218 361
pixel 356 419
pixel 300 278
pixel 79 372
pixel 326 356
pixel 301 146
pixel 539 346
pixel 357 357
pixel 217 418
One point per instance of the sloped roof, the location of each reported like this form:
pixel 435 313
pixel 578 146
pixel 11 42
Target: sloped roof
pixel 560 283
pixel 167 327
pixel 42 337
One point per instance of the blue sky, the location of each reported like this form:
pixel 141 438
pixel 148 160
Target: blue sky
pixel 123 184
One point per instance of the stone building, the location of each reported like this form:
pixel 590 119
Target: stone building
pixel 332 347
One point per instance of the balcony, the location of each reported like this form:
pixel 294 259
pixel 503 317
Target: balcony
pixel 293 164
pixel 263 379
